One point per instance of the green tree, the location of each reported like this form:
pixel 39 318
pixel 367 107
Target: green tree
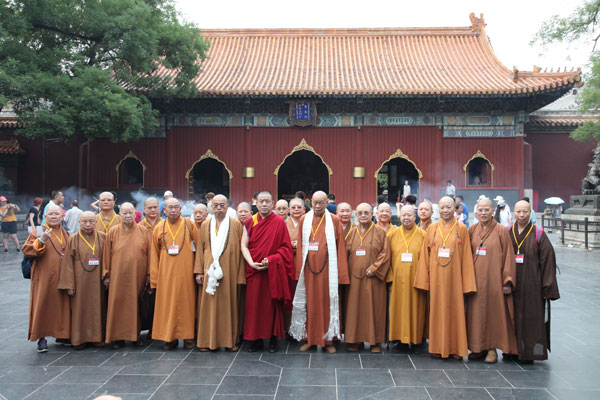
pixel 88 67
pixel 582 24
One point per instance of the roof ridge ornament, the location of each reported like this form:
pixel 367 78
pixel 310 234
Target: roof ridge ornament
pixel 477 24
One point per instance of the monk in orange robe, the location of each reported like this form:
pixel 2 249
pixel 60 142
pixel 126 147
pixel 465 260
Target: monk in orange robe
pixel 344 214
pixel 219 250
pixel 490 311
pixel 172 275
pixel 321 266
pixel 125 270
pixel 269 259
pixel 384 217
pixel 107 218
pixel 81 277
pixel 407 305
pixel 368 262
pixel 425 211
pixel 151 215
pixel 296 207
pixel 148 297
pixel 49 313
pixel 446 271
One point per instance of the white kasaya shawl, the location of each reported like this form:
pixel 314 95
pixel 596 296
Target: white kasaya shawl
pixel 217 245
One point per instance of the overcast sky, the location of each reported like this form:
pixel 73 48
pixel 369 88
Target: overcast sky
pixel 511 24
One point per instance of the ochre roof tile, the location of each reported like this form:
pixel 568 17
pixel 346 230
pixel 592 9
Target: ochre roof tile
pixel 10 147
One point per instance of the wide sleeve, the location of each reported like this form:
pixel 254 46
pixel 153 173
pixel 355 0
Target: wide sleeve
pixel 422 275
pixel 241 278
pixel 154 256
pixel 299 260
pixel 200 246
pixel 106 254
pixel 342 257
pixel 392 236
pixel 548 269
pixel 33 247
pixel 67 273
pixel 381 265
pixel 469 284
pixel 509 266
pixel 281 267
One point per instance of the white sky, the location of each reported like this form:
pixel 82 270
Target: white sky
pixel 511 24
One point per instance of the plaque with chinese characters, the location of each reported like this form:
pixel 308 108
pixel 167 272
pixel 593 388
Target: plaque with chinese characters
pixel 303 113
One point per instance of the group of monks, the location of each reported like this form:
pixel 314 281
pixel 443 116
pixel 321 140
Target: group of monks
pixel 313 275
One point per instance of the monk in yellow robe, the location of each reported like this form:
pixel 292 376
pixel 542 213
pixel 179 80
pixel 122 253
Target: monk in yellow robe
pixel 49 307
pixel 81 278
pixel 107 218
pixel 321 249
pixel 384 217
pixel 425 211
pixel 368 263
pixel 172 275
pixel 219 250
pixel 446 271
pixel 125 271
pixel 407 305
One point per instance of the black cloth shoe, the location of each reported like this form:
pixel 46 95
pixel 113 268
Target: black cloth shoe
pixel 273 345
pixel 256 345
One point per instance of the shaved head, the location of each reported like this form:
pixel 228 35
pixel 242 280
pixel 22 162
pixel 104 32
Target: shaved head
pixel 383 206
pixel 425 211
pixel 523 203
pixel 127 213
pixel 127 206
pixel 87 222
pixel 87 214
pixel 150 200
pixel 296 200
pixel 363 207
pixel 447 208
pixel 344 212
pixel 52 206
pixel 319 202
pixel 384 213
pixel 244 205
pixel 319 195
pixel 485 201
pixel 104 194
pixel 407 208
pixel 282 208
pixel 244 211
pixel 364 213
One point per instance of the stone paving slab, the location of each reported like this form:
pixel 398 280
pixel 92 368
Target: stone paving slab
pixel 151 373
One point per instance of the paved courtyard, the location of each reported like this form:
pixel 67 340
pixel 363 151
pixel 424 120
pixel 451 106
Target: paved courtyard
pixel 572 372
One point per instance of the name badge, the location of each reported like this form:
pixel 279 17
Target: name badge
pixel 519 258
pixel 406 257
pixel 62 254
pixel 313 246
pixel 93 261
pixel 173 250
pixel 481 251
pixel 444 253
pixel 361 251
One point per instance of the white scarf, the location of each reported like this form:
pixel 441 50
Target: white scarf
pixel 298 325
pixel 217 245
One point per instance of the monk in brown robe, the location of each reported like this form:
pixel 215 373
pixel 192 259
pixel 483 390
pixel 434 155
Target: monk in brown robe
pixel 407 305
pixel 147 298
pixel 368 263
pixel 125 271
pixel 425 211
pixel 172 275
pixel 81 277
pixel 296 212
pixel 344 213
pixel 151 215
pixel 49 313
pixel 219 250
pixel 321 246
pixel 384 217
pixel 446 271
pixel 282 208
pixel 536 285
pixel 107 218
pixel 490 311
pixel 244 211
pixel 199 214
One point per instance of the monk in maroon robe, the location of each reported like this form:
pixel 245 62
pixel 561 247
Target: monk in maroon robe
pixel 269 259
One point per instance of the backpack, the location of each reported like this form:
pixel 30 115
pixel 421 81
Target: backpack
pixel 26 264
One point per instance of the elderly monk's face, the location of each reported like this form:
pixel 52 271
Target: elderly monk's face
pixel 296 209
pixel 107 202
pixel 522 213
pixel 151 209
pixel 199 215
pixel 407 217
pixel 87 223
pixel 384 213
pixel 264 202
pixel 281 208
pixel 344 213
pixel 219 206
pixel 485 209
pixel 446 208
pixel 425 211
pixel 53 217
pixel 319 203
pixel 127 214
pixel 243 213
pixel 172 209
pixel 364 213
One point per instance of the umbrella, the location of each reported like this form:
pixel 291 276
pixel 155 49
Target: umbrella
pixel 554 201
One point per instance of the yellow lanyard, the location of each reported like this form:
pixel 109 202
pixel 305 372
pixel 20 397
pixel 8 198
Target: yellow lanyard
pixel 146 222
pixel 348 234
pixel 366 233
pixel 86 242
pixel 61 234
pixel 171 232
pixel 111 221
pixel 446 238
pixel 517 242
pixel 411 238
pixel 314 231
